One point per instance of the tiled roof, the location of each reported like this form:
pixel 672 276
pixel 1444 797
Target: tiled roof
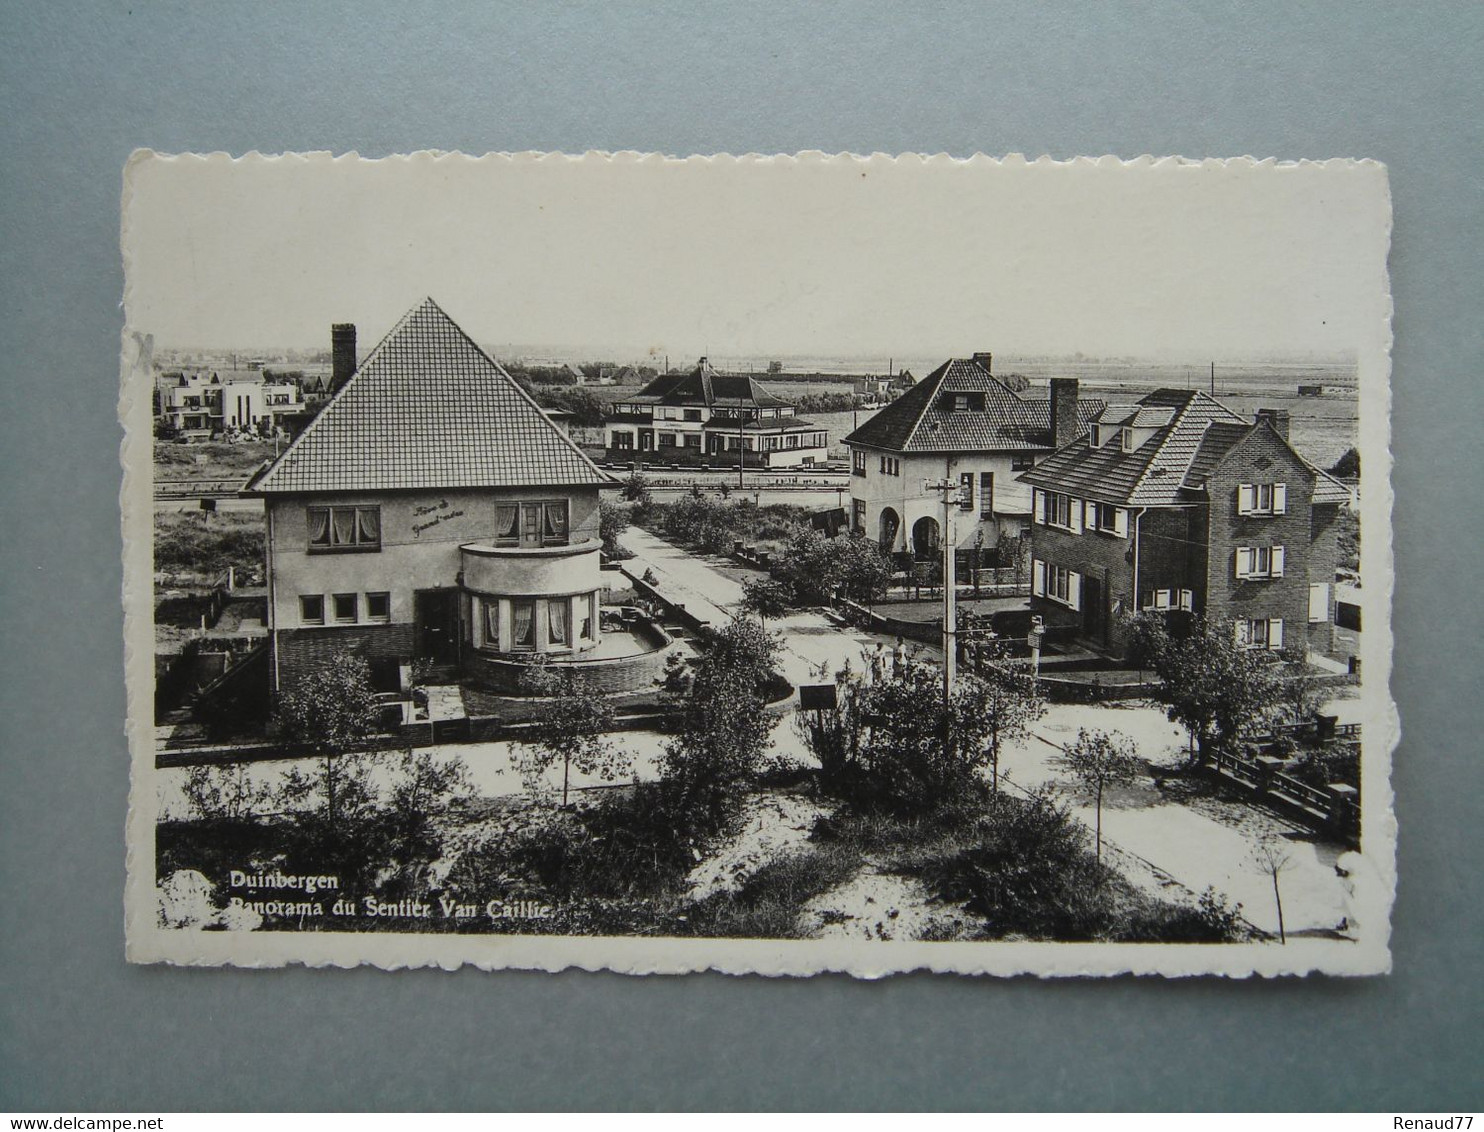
pixel 1175 461
pixel 917 421
pixel 703 385
pixel 428 409
pixel 1154 473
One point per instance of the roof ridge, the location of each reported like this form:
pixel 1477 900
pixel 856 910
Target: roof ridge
pixel 337 394
pixel 937 376
pixel 519 388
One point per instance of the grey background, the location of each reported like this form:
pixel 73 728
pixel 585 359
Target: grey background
pixel 80 86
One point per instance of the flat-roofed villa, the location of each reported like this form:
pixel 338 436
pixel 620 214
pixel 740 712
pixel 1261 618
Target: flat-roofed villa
pixel 432 510
pixel 703 416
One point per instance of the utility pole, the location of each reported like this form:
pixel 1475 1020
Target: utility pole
pixel 950 491
pixel 1213 379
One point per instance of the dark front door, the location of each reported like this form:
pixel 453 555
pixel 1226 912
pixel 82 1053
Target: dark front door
pixel 1093 619
pixel 436 613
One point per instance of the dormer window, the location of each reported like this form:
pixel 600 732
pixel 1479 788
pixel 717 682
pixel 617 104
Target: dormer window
pixel 1127 435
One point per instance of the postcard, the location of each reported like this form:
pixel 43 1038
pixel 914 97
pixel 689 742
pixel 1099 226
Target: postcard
pixel 770 565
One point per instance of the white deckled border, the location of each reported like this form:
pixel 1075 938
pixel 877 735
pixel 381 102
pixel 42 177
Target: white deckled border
pixel 1373 872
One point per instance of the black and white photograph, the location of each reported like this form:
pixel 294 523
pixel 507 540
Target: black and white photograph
pixel 768 565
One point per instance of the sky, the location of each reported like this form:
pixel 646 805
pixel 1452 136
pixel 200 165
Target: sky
pixel 750 257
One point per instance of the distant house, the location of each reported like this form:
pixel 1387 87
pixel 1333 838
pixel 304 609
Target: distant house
pixel 962 423
pixel 431 510
pixel 704 416
pixel 1176 504
pixel 203 404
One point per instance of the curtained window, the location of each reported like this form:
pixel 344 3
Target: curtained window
pixel 319 526
pixel 507 524
pixel 523 624
pixel 585 617
pixel 557 614
pixel 368 526
pixel 492 624
pixel 554 532
pixel 344 528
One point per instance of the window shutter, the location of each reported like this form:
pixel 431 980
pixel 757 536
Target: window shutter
pixel 1161 599
pixel 1089 514
pixel 1074 515
pixel 1280 499
pixel 1120 522
pixel 1246 498
pixel 1277 571
pixel 1038 577
pixel 1038 505
pixel 1242 630
pixel 1275 633
pixel 1187 600
pixel 1244 562
pixel 1319 602
pixel 1074 589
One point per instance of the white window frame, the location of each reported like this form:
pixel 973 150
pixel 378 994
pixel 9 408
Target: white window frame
pixel 1260 633
pixel 1260 563
pixel 1262 499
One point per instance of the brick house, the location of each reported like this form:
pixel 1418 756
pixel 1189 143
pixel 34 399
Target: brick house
pixel 703 416
pixel 1178 504
pixel 963 423
pixel 430 510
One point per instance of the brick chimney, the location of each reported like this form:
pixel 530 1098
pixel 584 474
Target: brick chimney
pixel 1278 418
pixel 1064 427
pixel 985 359
pixel 342 353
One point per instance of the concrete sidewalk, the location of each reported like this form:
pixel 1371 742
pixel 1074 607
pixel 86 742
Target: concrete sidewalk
pixel 1200 840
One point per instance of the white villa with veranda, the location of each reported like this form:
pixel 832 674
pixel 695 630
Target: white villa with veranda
pixel 432 510
pixel 962 424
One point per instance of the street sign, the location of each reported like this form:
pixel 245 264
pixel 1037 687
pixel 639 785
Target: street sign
pixel 817 697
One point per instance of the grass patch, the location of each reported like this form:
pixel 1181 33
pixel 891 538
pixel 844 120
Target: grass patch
pixel 206 543
pixel 209 461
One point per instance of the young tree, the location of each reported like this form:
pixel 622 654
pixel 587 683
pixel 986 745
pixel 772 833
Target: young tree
pixel 636 490
pixel 1100 759
pixel 864 571
pixel 894 745
pixel 722 731
pixel 613 520
pixel 1300 688
pixel 764 597
pixel 423 787
pixel 1010 702
pixel 1213 685
pixel 331 712
pixel 571 728
pixel 1273 859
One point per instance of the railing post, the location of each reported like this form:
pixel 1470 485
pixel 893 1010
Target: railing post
pixel 1267 767
pixel 1344 808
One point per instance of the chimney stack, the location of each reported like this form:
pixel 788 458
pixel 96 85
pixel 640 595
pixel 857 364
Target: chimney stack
pixel 342 353
pixel 985 359
pixel 1064 428
pixel 1278 418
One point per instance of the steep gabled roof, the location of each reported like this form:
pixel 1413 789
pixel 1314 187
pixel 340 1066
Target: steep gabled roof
pixel 917 421
pixel 428 409
pixel 1171 466
pixel 1152 475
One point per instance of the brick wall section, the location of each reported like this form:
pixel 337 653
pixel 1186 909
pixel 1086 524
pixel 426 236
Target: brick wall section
pixel 302 650
pixel 1091 554
pixel 1259 458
